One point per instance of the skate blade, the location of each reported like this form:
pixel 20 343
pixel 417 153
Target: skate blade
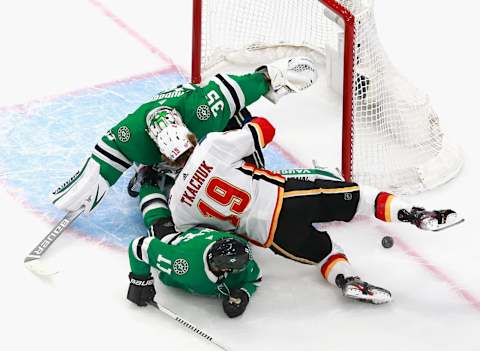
pixel 377 297
pixel 448 224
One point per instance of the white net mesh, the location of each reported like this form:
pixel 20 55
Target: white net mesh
pixel 396 140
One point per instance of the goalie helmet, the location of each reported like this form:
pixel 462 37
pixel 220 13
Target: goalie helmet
pixel 166 128
pixel 228 255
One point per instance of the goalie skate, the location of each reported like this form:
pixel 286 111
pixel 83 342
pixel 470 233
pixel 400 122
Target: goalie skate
pixel 430 220
pixel 357 289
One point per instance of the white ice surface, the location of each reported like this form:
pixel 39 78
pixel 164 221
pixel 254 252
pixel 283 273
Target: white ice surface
pixel 53 47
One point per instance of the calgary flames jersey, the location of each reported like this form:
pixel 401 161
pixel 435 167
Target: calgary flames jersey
pixel 217 188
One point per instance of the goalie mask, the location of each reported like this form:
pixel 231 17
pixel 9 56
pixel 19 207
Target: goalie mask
pixel 166 128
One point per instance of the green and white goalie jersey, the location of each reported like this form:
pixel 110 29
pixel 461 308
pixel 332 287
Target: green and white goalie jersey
pixel 204 108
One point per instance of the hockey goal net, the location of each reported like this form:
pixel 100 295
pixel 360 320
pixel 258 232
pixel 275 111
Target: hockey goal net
pixel 391 136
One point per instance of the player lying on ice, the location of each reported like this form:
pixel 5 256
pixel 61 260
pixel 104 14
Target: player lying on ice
pixel 200 261
pixel 217 188
pixel 213 106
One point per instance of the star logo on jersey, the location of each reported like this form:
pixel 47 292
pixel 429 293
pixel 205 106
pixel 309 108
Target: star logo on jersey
pixel 123 134
pixel 180 266
pixel 203 112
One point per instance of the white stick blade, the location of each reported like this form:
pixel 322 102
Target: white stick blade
pixel 40 268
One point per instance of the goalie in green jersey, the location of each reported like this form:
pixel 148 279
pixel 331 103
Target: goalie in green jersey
pixel 213 106
pixel 199 261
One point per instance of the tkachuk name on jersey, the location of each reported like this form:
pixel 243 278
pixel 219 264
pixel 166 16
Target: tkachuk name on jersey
pixel 195 183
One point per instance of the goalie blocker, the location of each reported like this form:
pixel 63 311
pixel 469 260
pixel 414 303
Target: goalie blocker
pixel 86 188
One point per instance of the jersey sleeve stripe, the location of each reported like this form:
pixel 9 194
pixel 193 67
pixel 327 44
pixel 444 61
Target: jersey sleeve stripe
pixel 226 93
pixel 237 88
pixel 140 248
pixel 153 197
pixel 114 152
pixel 110 159
pixel 263 174
pixel 153 206
pixel 256 138
pixel 264 129
pixel 232 91
pixel 331 261
pixel 382 206
pixel 258 158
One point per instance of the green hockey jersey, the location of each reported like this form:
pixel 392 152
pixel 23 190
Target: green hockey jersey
pixel 204 108
pixel 182 263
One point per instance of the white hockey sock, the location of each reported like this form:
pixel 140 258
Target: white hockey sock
pixel 336 263
pixel 382 205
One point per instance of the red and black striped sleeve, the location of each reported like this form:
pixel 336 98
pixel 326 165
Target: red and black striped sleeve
pixel 262 131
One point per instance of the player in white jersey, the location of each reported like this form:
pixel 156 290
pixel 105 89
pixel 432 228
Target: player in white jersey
pixel 216 187
pixel 216 184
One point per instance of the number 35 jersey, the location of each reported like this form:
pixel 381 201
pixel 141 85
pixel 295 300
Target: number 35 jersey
pixel 204 108
pixel 217 188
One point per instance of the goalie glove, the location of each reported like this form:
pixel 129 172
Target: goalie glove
pixel 85 188
pixel 289 75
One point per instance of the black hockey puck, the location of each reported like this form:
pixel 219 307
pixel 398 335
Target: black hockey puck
pixel 387 242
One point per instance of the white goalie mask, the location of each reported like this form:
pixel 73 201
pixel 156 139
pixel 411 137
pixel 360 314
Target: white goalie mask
pixel 165 127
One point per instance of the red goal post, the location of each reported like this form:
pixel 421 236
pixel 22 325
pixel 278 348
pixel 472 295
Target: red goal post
pixel 391 136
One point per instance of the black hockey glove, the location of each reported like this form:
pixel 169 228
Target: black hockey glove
pixel 141 289
pixel 162 227
pixel 235 304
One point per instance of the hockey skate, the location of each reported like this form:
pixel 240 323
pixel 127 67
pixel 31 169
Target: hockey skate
pixel 357 289
pixel 430 220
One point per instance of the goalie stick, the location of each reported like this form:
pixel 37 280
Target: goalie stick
pixel 32 260
pixel 185 323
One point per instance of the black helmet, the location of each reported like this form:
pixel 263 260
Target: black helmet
pixel 228 255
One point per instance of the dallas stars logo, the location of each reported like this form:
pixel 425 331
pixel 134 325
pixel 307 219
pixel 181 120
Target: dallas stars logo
pixel 180 266
pixel 203 112
pixel 123 134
